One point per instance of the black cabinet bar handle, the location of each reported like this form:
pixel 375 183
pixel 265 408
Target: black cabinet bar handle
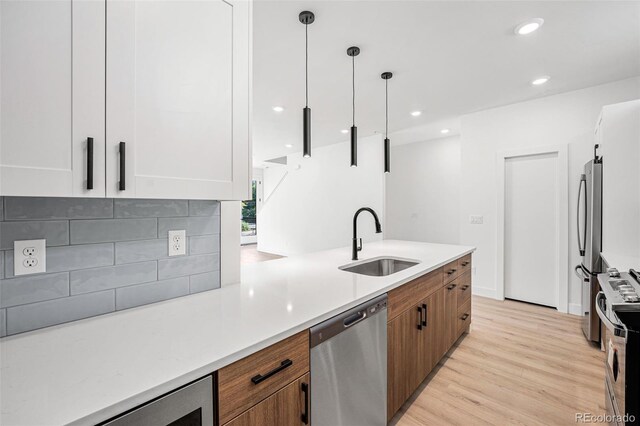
pixel 465 263
pixel 122 151
pixel 451 271
pixel 452 286
pixel 260 378
pixel 420 318
pixel 89 163
pixel 424 308
pixel 464 317
pixel 305 415
pixel 464 287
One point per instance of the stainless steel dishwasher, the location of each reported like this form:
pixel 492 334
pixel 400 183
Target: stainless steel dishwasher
pixel 349 367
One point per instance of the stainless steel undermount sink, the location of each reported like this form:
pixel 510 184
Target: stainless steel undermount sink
pixel 379 266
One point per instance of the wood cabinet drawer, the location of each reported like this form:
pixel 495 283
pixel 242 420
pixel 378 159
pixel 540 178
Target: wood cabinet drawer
pixel 406 296
pixel 248 381
pixel 287 407
pixel 464 317
pixel 464 264
pixel 464 287
pixel 450 271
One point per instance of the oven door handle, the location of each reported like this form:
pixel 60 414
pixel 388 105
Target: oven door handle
pixel 619 330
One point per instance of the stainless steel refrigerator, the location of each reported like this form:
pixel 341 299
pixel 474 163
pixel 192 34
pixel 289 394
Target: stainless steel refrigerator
pixel 589 223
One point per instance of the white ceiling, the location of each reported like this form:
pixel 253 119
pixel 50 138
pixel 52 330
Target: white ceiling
pixel 448 58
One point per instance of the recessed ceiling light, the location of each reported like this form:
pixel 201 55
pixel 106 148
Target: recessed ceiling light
pixel 540 80
pixel 288 145
pixel 444 131
pixel 278 109
pixel 416 113
pixel 344 131
pixel 529 26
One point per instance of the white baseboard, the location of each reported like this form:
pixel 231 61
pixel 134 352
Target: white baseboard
pixel 484 292
pixel 575 309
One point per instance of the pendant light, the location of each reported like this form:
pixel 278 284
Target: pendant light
pixel 306 18
pixel 386 76
pixel 354 51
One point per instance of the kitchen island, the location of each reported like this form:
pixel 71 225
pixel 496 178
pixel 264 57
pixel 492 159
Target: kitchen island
pixel 91 370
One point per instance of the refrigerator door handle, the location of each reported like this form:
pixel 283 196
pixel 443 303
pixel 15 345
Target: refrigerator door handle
pixel 582 239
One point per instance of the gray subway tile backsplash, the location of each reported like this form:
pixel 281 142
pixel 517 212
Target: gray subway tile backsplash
pixel 89 280
pixel 143 294
pixel 204 244
pixel 103 255
pixel 187 265
pixel 56 232
pixel 44 208
pixel 150 208
pixel 205 225
pixel 44 314
pixel 204 208
pixel 203 282
pixel 108 230
pixel 34 288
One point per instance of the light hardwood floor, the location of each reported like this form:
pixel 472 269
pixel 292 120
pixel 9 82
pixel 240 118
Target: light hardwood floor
pixel 520 364
pixel 250 254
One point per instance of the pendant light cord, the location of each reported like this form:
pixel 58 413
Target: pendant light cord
pixel 386 108
pixel 353 87
pixel 306 65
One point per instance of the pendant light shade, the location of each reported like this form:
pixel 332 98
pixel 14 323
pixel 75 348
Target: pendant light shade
pixel 386 76
pixel 354 51
pixel 306 18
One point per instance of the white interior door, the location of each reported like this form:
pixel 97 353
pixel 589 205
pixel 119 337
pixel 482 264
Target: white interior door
pixel 531 233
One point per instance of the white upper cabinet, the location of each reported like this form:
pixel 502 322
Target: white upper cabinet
pixel 160 87
pixel 178 99
pixel 52 97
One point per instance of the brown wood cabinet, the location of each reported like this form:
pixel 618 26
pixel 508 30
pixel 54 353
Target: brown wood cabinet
pixel 287 407
pixel 248 381
pixel 424 321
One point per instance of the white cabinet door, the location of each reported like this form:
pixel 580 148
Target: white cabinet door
pixel 52 85
pixel 178 97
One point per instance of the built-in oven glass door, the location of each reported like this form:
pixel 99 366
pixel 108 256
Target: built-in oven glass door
pixel 191 405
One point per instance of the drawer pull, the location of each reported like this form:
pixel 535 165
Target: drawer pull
pixel 465 263
pixel 424 308
pixel 305 415
pixel 89 163
pixel 452 286
pixel 420 318
pixel 451 271
pixel 464 287
pixel 260 378
pixel 464 317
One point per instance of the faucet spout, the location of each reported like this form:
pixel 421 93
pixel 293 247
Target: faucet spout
pixel 355 247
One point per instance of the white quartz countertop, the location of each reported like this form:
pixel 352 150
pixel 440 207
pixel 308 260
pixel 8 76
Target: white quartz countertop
pixel 621 262
pixel 90 370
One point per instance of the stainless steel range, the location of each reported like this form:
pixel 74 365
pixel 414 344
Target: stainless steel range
pixel 618 306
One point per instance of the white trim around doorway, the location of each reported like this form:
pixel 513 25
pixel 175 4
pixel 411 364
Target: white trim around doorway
pixel 563 218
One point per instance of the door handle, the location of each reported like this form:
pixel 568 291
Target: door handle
pixel 122 150
pixel 464 287
pixel 424 310
pixel 89 163
pixel 464 317
pixel 580 273
pixel 619 330
pixel 305 415
pixel 354 319
pixel 260 378
pixel 452 286
pixel 420 318
pixel 465 263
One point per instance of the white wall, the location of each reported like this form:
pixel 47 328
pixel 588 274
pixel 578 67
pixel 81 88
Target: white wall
pixel 312 208
pixel 423 192
pixel 569 119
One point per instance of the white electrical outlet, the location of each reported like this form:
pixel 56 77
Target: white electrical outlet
pixel 177 243
pixel 29 257
pixel 476 220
